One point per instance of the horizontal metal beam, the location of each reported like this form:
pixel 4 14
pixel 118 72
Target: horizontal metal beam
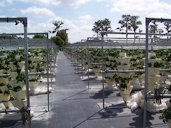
pixel 33 33
pixel 157 19
pixel 17 20
pixel 9 111
pixel 123 71
pixel 99 57
pixel 131 33
pixel 152 96
pixel 96 63
pixel 32 73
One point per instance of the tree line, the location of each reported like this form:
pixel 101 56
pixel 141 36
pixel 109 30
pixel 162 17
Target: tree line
pixel 128 23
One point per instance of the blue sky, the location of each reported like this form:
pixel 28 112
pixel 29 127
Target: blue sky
pixel 78 15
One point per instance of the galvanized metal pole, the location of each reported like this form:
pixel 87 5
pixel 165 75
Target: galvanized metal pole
pixel 103 93
pixel 48 73
pixel 146 75
pixel 26 68
pixel 81 58
pixel 88 62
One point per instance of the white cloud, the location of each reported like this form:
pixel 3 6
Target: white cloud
pixel 139 7
pixel 159 15
pixel 71 3
pixel 100 0
pixel 44 2
pixel 40 12
pixel 80 33
pixel 85 18
pixel 5 2
pixel 75 32
pixel 76 3
pixel 48 2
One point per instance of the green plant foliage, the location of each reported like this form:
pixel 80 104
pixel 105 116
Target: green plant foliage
pixel 158 64
pixel 63 35
pixel 101 25
pixel 6 92
pixel 16 89
pixel 58 41
pixel 20 77
pixel 122 81
pixel 166 114
pixel 39 36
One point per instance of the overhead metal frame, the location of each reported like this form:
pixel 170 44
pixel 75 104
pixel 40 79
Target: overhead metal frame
pixel 147 22
pixel 22 20
pixel 48 61
pixel 90 41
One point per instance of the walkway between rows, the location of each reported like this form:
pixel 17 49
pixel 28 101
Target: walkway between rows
pixel 72 105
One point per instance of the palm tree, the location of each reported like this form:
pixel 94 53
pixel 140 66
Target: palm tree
pixel 101 25
pixel 135 24
pixel 125 23
pixel 61 34
pixel 153 28
pixel 167 27
pixel 96 27
pixel 58 24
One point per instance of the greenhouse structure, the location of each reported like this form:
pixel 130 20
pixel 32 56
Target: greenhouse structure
pixel 106 82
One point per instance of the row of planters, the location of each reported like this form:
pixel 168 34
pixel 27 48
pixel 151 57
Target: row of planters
pixel 124 59
pixel 127 59
pixel 166 113
pixel 12 75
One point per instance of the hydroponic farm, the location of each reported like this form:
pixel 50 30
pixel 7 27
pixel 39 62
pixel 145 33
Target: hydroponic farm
pixel 118 80
pixel 26 76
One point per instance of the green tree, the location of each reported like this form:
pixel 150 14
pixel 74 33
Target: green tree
pixel 135 24
pixel 4 36
pixel 96 28
pixel 167 27
pixel 61 36
pixel 58 24
pixel 125 22
pixel 153 29
pixel 101 25
pixel 39 36
pixel 58 41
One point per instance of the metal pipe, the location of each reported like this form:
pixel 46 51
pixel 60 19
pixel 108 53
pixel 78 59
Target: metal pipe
pixel 103 93
pixel 82 61
pixel 152 96
pixel 131 33
pixel 48 74
pixel 146 75
pixel 123 71
pixel 33 33
pixel 88 62
pixel 14 19
pixel 50 66
pixel 26 65
pixel 9 111
pixel 26 71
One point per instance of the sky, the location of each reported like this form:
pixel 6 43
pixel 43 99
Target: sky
pixel 78 15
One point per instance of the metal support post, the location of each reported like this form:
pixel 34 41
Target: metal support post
pixel 88 61
pixel 48 74
pixel 103 93
pixel 146 75
pixel 147 21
